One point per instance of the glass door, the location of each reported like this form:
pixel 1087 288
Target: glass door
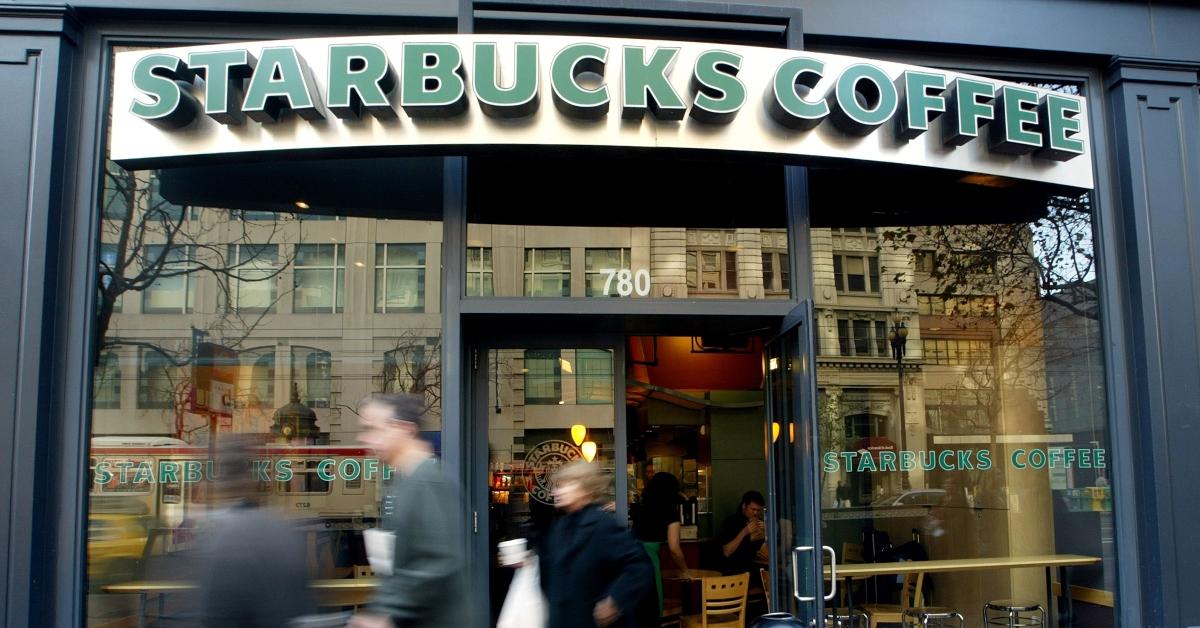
pixel 797 557
pixel 538 407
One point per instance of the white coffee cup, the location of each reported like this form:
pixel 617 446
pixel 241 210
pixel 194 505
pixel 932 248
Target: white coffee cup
pixel 512 552
pixel 381 547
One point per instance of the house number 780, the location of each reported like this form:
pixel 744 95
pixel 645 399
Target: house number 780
pixel 627 282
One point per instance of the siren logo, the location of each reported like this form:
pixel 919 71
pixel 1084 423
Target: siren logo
pixel 542 462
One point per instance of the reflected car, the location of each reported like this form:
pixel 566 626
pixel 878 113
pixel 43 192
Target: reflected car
pixel 115 546
pixel 915 497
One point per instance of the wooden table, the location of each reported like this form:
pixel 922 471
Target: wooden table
pixel 690 587
pixel 692 574
pixel 330 592
pixel 1049 562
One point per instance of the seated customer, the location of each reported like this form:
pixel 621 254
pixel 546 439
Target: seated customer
pixel 742 535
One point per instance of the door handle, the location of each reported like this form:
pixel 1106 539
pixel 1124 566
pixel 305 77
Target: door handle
pixel 796 551
pixel 832 573
pixel 800 549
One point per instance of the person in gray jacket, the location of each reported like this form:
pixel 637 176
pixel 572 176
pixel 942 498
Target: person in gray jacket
pixel 421 507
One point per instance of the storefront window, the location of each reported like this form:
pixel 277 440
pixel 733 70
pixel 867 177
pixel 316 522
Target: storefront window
pixel 991 442
pixel 250 301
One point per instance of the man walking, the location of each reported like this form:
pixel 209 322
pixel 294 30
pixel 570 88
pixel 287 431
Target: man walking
pixel 421 508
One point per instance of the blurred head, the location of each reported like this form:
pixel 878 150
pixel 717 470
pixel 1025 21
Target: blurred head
pixel 578 484
pixel 392 424
pixel 233 466
pixel 753 504
pixel 648 471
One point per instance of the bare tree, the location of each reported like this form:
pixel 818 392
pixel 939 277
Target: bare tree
pixel 145 240
pixel 414 365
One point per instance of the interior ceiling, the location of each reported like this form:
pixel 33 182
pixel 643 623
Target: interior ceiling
pixel 672 365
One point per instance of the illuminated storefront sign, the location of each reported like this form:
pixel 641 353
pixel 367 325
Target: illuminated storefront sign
pixel 458 90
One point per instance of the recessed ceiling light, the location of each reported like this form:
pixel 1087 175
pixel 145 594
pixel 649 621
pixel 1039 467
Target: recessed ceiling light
pixel 301 205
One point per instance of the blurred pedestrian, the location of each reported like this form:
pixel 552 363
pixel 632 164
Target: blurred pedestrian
pixel 658 522
pixel 253 562
pixel 421 509
pixel 593 572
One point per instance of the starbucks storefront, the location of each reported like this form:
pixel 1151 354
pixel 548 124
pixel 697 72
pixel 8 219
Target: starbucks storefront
pixel 862 296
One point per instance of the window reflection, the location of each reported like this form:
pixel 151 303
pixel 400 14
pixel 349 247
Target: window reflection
pixel 1001 409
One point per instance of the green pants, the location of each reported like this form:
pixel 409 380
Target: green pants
pixel 652 550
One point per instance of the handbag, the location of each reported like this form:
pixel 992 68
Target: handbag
pixel 524 606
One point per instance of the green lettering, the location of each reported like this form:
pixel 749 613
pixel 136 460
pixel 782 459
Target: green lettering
pixel 645 84
pixel 168 472
pixel 349 469
pixel 1015 130
pixel 864 98
pixel 519 99
pixel 829 462
pixel 164 78
pixel 965 110
pixel 918 106
pixel 570 97
pixel 281 81
pixel 432 81
pixel 1059 118
pixel 719 94
pixel 360 78
pixel 223 72
pixel 786 104
pixel 283 471
pixel 323 469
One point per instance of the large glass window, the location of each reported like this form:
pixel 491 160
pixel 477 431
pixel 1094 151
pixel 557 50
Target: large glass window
pixel 173 289
pixel 602 272
pixel 319 282
pixel 399 278
pixel 212 347
pixel 255 268
pixel 988 440
pixel 723 237
pixel 543 369
pixel 480 282
pixel 547 272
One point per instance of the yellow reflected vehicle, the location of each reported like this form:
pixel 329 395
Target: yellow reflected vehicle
pixel 116 543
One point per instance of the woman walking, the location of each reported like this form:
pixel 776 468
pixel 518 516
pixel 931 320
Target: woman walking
pixel 593 572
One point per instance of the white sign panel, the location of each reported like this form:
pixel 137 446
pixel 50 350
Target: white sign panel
pixel 409 93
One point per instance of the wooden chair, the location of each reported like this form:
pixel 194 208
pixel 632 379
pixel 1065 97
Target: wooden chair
pixel 723 603
pixel 363 571
pixel 765 577
pixel 852 553
pixel 910 596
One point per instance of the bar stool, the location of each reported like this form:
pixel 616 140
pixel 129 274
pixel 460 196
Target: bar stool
pixel 1016 613
pixel 852 619
pixel 932 616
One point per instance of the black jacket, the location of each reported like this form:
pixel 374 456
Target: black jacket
pixel 588 556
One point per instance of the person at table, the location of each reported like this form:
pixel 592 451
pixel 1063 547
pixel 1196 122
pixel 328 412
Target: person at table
pixel 658 522
pixel 592 571
pixel 742 535
pixel 420 507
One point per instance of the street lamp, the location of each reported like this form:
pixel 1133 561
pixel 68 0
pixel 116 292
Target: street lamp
pixel 898 338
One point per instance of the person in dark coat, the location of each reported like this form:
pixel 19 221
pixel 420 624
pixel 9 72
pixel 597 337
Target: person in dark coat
pixel 252 568
pixel 592 570
pixel 426 588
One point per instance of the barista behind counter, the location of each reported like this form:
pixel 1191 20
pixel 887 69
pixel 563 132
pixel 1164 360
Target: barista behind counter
pixel 742 536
